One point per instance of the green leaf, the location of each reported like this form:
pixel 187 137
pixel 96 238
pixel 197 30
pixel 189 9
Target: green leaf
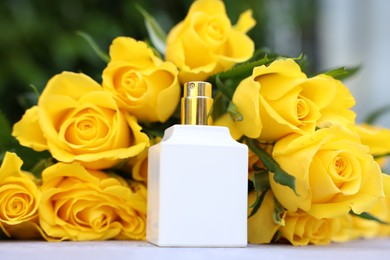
pixel 301 57
pixel 261 52
pixel 374 116
pixel 234 113
pixel 368 216
pixel 302 61
pixel 35 90
pixel 227 87
pixel 261 181
pixel 156 33
pixel 278 213
pixel 41 165
pixel 280 176
pixel 257 204
pixel 104 56
pixel 342 72
pixel 220 105
pixel 277 236
pixel 244 70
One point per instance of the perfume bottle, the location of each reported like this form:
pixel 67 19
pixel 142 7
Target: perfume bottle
pixel 197 180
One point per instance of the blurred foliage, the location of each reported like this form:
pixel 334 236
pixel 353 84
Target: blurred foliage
pixel 38 38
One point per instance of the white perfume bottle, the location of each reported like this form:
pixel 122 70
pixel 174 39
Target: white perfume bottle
pixel 197 180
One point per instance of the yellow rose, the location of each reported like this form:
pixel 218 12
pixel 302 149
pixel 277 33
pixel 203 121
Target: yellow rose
pixel 227 121
pixel 384 212
pixel 261 226
pixel 346 230
pixel 375 137
pixel 19 200
pixel 139 167
pixel 279 99
pixel 205 42
pixel 355 227
pixel 301 229
pixel 76 120
pixel 334 173
pixel 139 164
pixel 381 210
pixel 141 82
pixel 80 204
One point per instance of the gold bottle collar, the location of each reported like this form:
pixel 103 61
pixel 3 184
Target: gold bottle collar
pixel 196 104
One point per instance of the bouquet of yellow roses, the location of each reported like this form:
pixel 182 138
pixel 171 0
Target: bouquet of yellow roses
pixel 314 173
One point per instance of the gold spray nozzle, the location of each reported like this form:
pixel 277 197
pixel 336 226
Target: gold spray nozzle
pixel 196 103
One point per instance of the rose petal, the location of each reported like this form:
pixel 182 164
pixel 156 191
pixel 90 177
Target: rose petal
pixel 245 22
pixel 238 48
pixel 261 226
pixel 227 121
pixel 206 6
pixel 73 85
pixel 33 137
pixel 135 53
pixel 246 99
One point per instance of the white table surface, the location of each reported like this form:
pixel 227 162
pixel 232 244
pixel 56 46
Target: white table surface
pixel 131 250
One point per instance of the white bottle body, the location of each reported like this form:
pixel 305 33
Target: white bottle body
pixel 197 188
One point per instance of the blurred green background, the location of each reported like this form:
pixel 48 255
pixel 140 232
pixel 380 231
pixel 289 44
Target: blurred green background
pixel 38 37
